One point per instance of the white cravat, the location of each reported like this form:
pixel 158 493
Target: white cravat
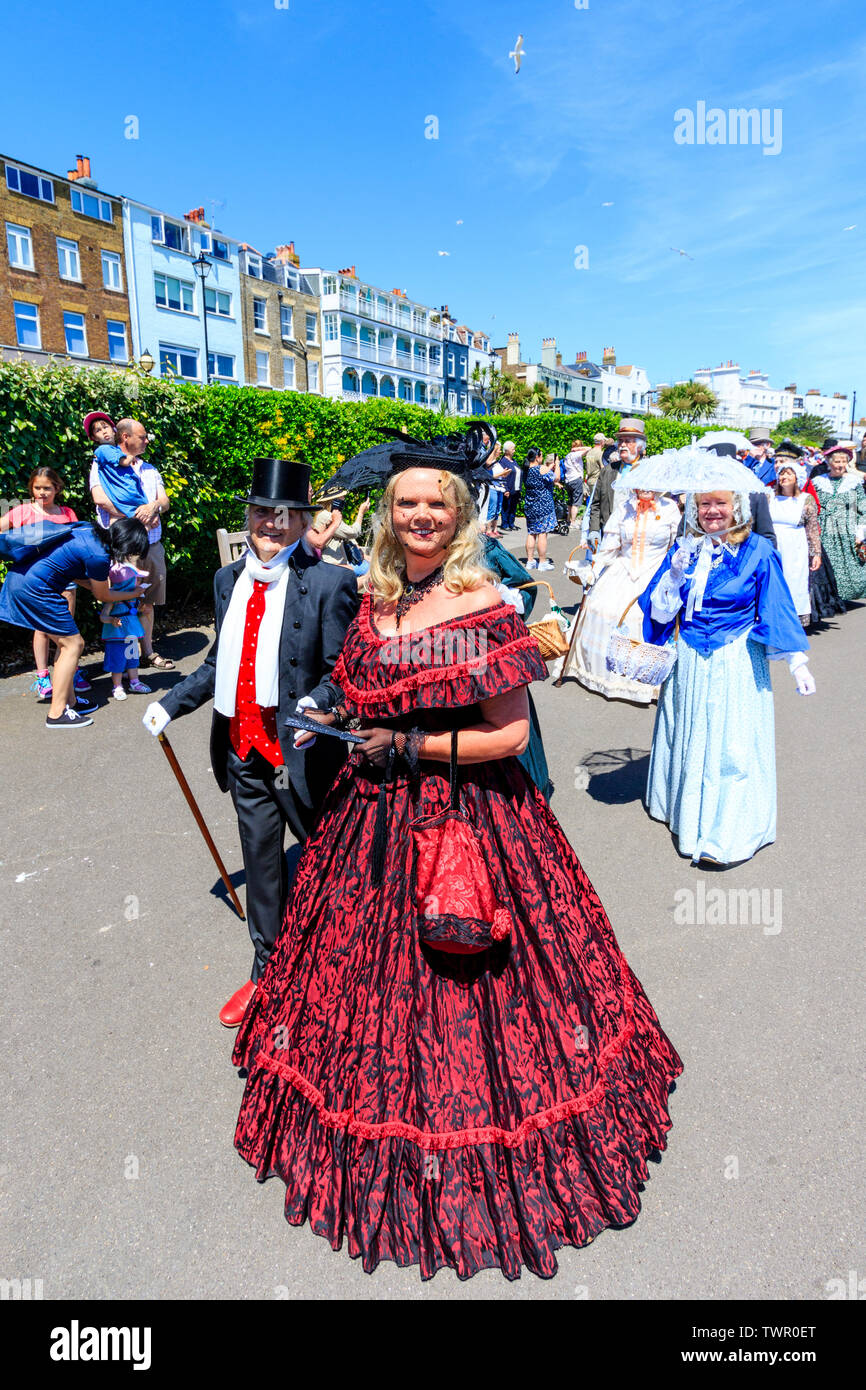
pixel 275 573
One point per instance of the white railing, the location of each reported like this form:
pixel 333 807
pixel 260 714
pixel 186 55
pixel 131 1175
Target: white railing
pixel 368 352
pixel 403 359
pixel 350 395
pixel 348 301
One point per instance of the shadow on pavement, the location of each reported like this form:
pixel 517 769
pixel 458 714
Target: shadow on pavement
pixel 617 775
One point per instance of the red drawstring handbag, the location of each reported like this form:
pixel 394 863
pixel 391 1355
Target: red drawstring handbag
pixel 455 900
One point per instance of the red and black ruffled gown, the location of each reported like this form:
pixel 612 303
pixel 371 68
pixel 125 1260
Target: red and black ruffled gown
pixel 470 1112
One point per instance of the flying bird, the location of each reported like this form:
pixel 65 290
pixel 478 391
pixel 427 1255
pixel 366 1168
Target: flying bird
pixel 682 253
pixel 607 205
pixel 852 228
pixel 460 222
pixel 517 52
pixel 443 253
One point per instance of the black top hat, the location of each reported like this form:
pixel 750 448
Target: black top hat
pixel 724 450
pixel 788 449
pixel 828 444
pixel 279 483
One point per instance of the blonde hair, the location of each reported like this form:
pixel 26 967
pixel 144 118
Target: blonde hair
pixel 738 534
pixel 465 566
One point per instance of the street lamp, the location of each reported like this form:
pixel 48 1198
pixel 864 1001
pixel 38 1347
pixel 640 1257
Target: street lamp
pixel 493 360
pixel 146 362
pixel 201 265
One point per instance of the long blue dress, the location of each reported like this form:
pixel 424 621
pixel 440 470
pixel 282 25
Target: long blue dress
pixel 32 595
pixel 712 774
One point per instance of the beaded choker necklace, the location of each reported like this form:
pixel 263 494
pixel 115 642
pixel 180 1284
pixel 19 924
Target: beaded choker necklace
pixel 413 593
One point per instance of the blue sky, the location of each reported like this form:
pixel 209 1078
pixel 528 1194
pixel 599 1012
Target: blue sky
pixel 308 124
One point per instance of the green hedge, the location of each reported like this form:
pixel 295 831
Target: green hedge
pixel 203 439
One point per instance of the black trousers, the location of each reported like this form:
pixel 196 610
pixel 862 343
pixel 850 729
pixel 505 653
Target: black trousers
pixel 264 809
pixel 509 508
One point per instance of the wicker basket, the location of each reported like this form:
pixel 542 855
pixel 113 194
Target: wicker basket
pixel 644 662
pixel 548 631
pixel 571 570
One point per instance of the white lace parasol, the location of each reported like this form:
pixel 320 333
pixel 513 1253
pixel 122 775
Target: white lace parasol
pixel 690 469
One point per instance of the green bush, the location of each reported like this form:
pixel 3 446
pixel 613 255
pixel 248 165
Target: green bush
pixel 204 438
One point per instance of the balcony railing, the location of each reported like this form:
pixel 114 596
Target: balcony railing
pixel 403 359
pixel 348 301
pixel 368 352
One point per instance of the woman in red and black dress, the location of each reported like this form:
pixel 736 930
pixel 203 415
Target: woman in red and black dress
pixel 434 1109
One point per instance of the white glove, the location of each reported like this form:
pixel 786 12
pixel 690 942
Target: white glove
pixel 680 559
pixel 156 718
pixel 302 739
pixel 804 681
pixel 512 597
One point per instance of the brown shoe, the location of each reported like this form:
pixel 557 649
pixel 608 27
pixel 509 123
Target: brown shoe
pixel 232 1013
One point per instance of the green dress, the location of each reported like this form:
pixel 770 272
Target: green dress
pixel 843 509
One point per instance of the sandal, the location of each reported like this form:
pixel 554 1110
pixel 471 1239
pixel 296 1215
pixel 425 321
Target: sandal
pixel 162 663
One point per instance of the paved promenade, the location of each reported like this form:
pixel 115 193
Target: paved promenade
pixel 118 1177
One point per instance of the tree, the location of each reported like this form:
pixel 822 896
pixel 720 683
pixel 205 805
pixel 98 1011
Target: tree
pixel 688 400
pixel 811 429
pixel 539 398
pixel 493 385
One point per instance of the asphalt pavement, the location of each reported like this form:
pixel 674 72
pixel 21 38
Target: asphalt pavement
pixel 118 1176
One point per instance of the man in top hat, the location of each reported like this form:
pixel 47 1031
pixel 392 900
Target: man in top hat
pixel 760 455
pixel 630 449
pixel 281 617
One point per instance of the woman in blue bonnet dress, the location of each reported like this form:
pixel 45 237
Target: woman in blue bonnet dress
pixel 712 775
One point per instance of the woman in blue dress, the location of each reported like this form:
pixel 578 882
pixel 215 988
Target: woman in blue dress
pixel 538 507
pixel 32 597
pixel 712 774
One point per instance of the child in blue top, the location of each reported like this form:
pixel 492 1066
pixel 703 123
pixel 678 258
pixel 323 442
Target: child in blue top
pixel 121 628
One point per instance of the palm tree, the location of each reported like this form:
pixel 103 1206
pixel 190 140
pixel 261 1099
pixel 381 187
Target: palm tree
pixel 539 398
pixel 688 400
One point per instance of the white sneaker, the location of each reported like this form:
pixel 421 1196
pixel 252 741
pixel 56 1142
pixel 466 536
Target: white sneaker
pixel 532 564
pixel 546 565
pixel 118 693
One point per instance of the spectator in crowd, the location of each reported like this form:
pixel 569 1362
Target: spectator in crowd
pixel 538 505
pixel 512 488
pixel 498 475
pixel 46 489
pixel 33 596
pixel 572 478
pixel 592 463
pixel 123 483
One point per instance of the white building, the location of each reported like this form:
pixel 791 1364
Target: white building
pixel 749 401
pixel 625 389
pixel 167 309
pixel 376 342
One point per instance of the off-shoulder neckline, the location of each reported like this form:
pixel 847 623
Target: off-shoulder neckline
pixel 366 616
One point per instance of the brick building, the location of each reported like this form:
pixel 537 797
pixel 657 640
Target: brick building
pixel 63 282
pixel 281 322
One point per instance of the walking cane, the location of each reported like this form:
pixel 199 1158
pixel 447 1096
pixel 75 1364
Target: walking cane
pixel 199 820
pixel 565 660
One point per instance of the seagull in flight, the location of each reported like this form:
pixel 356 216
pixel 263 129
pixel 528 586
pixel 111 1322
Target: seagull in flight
pixel 682 253
pixel 607 205
pixel 460 222
pixel 852 228
pixel 517 52
pixel 443 253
